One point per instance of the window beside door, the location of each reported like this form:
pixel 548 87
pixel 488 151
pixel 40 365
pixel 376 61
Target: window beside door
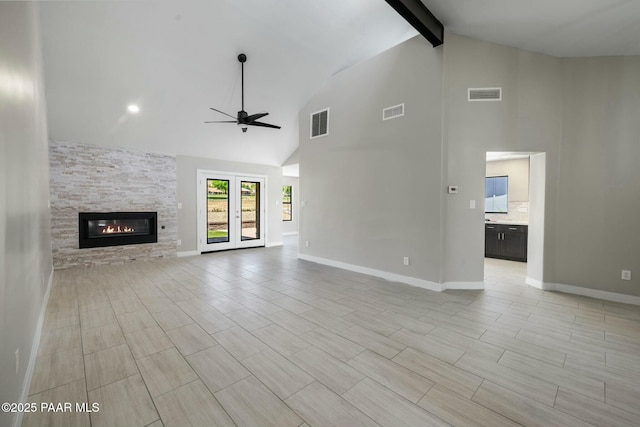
pixel 287 211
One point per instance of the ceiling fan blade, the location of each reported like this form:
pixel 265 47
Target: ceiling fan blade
pixel 222 112
pixel 255 117
pixel 223 121
pixel 264 125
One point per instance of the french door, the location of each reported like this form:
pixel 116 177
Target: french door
pixel 230 211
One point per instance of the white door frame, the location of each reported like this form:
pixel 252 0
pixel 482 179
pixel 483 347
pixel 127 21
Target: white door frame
pixel 235 238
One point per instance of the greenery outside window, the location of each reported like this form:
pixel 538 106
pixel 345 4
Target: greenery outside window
pixel 287 212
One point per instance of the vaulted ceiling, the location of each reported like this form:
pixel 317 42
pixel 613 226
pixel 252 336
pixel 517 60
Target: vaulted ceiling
pixel 177 58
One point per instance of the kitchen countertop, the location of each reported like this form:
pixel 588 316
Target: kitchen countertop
pixel 507 222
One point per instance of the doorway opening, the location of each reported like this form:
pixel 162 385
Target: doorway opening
pixel 514 217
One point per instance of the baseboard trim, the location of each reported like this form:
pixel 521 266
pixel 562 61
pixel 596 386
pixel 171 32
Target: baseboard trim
pixel 468 286
pixel 595 293
pixel 187 253
pixel 272 244
pixel 26 385
pixel 392 277
pixel 538 284
pixel 291 233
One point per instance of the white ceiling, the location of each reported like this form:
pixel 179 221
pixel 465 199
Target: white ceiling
pixel 177 58
pixel 563 28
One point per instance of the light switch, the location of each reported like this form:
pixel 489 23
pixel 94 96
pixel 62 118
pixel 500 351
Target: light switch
pixel 472 204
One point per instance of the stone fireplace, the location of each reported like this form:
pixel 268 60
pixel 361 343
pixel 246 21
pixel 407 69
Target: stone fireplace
pixel 129 198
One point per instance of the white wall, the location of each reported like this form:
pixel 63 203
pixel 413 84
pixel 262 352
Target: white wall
pixel 373 188
pixel 518 172
pixel 536 238
pixel 187 216
pixel 518 189
pixel 25 243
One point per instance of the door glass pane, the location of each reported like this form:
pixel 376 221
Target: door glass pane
pixel 250 210
pixel 217 210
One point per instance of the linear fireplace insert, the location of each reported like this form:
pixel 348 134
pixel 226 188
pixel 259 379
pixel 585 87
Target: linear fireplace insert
pixel 98 229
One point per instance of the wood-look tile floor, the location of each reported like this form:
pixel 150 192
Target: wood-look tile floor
pixel 259 338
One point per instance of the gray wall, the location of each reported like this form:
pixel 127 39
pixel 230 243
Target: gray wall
pixel 375 192
pixel 528 119
pixel 599 181
pixel 583 113
pixel 373 187
pixel 187 216
pixel 25 243
pixel 290 227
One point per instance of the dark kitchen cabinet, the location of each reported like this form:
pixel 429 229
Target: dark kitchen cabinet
pixel 506 241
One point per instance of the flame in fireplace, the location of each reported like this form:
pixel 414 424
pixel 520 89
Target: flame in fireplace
pixel 117 229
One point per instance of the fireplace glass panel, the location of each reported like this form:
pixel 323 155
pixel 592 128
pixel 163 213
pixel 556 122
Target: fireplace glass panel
pixel 113 227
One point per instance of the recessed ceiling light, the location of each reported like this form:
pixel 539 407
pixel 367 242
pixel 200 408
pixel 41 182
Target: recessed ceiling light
pixel 133 108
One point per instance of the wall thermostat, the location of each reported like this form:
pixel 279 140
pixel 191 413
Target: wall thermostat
pixel 452 189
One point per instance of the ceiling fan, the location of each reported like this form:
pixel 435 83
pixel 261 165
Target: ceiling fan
pixel 243 119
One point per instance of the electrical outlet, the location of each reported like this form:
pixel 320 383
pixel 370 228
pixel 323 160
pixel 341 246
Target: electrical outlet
pixel 17 360
pixel 179 205
pixel 626 275
pixel 179 242
pixel 405 260
pixel 306 243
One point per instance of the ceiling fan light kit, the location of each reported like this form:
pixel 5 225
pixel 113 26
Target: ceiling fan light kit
pixel 243 119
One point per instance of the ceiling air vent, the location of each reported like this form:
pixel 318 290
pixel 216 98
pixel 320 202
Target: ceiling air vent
pixel 485 94
pixel 393 112
pixel 320 123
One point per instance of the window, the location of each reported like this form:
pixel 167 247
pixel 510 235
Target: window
pixel 287 212
pixel 320 123
pixel 495 194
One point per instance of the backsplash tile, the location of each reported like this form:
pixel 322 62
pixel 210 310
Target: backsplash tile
pixel 518 212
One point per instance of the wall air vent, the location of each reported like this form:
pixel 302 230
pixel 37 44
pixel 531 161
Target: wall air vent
pixel 320 123
pixel 393 112
pixel 485 94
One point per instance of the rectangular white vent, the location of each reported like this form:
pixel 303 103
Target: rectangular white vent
pixel 393 112
pixel 485 94
pixel 320 123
